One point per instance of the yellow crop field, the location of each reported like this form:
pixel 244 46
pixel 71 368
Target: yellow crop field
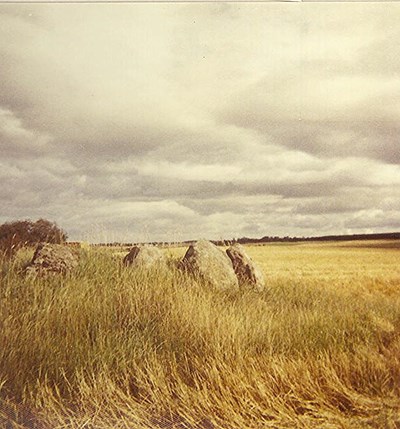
pixel 115 347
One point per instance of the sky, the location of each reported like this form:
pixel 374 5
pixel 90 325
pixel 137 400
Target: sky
pixel 169 122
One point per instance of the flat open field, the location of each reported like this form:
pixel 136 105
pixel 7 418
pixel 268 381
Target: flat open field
pixel 111 347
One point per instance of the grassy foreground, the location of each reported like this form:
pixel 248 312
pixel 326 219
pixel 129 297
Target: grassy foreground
pixel 109 347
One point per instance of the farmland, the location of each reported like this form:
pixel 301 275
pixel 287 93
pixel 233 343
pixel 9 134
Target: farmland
pixel 113 347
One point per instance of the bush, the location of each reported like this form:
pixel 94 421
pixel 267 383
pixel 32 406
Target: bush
pixel 20 233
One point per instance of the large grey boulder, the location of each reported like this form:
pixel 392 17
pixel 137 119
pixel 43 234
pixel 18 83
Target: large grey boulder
pixel 211 264
pixel 52 259
pixel 145 257
pixel 246 270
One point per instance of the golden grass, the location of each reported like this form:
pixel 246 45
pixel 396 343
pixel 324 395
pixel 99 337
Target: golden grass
pixel 109 347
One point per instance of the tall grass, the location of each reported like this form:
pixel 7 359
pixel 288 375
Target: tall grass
pixel 113 347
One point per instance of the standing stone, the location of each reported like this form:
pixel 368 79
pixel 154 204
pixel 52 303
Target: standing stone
pixel 246 271
pixel 145 256
pixel 211 264
pixel 52 259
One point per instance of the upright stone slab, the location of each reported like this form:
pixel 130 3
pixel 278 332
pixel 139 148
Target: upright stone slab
pixel 52 259
pixel 211 264
pixel 246 270
pixel 145 256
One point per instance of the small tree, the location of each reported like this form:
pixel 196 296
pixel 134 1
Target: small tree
pixel 20 233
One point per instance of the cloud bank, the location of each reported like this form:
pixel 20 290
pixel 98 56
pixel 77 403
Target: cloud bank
pixel 178 121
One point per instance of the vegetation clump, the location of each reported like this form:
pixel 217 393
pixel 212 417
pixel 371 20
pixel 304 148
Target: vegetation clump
pixel 17 234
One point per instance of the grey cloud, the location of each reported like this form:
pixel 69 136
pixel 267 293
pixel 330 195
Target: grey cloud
pixel 351 200
pixel 17 141
pixel 374 138
pixel 331 105
pixel 374 220
pixel 382 57
pixel 174 121
pixel 338 202
pixel 150 187
pixel 375 134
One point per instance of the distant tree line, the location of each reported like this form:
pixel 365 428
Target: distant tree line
pixel 287 239
pixel 20 233
pixel 266 239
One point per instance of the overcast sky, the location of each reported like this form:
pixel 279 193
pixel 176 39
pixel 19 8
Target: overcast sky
pixel 140 122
